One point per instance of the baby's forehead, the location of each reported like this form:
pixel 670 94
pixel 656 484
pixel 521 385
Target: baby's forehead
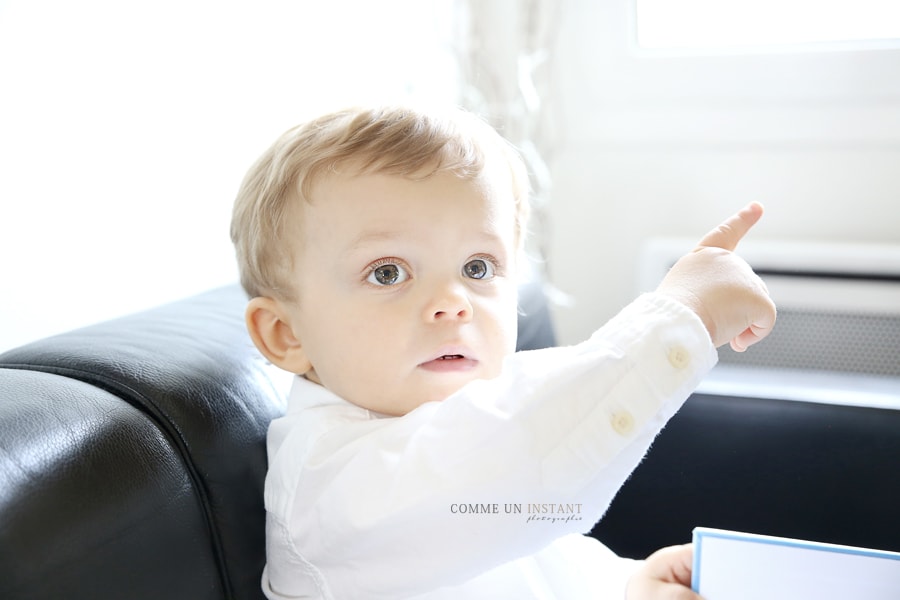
pixel 387 197
pixel 359 214
pixel 491 176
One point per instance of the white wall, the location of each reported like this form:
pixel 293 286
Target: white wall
pixel 654 145
pixel 125 129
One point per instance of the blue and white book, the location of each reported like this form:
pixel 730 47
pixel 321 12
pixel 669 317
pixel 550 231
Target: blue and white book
pixel 730 565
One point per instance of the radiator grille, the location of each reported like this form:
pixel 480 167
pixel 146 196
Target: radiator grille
pixel 826 340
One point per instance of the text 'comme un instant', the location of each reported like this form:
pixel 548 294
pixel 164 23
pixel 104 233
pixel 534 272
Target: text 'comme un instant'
pixel 553 512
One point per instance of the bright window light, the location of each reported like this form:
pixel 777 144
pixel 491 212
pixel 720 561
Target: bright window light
pixel 711 24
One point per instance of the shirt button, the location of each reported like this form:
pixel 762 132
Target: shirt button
pixel 679 357
pixel 622 422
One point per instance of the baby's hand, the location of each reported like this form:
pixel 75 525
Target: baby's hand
pixel 721 288
pixel 665 575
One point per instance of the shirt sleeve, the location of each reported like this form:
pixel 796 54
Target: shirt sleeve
pixel 400 506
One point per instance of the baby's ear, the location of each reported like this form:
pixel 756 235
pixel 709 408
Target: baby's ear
pixel 270 329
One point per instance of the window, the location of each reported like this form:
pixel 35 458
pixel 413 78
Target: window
pixel 728 25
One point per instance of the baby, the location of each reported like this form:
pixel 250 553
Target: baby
pixel 419 453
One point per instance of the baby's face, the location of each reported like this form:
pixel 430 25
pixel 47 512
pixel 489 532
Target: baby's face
pixel 406 289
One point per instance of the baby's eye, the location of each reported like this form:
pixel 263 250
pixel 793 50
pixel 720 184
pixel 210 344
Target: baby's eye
pixel 387 274
pixel 479 268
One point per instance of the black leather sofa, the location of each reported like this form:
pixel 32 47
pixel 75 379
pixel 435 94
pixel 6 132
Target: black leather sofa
pixel 132 459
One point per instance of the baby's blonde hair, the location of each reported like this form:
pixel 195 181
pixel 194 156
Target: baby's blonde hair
pixel 395 140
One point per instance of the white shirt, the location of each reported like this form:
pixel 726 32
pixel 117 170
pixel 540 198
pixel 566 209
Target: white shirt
pixel 487 493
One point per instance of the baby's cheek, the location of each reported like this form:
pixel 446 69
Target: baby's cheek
pixel 503 346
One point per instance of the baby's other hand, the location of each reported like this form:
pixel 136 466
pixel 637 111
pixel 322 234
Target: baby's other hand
pixel 721 288
pixel 665 575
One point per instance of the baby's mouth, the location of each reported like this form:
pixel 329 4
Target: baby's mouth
pixel 450 362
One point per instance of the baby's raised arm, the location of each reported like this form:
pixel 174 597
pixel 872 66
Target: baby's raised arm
pixel 730 299
pixel 734 305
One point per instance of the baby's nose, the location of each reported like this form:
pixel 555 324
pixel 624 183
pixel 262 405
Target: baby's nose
pixel 449 302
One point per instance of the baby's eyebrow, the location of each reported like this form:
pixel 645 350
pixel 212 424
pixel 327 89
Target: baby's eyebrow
pixel 368 238
pixel 490 236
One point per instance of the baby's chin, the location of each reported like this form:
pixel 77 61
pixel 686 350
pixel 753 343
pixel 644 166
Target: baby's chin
pixel 425 388
pixel 410 401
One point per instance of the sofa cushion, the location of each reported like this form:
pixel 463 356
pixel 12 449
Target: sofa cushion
pixel 95 501
pixel 181 383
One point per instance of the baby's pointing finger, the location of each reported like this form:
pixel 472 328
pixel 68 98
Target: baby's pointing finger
pixel 732 230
